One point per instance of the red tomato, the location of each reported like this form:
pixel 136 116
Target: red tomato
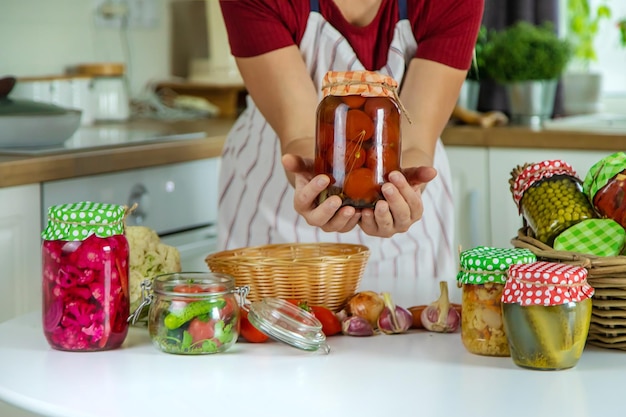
pixel 388 162
pixel 328 107
pixel 248 331
pixel 351 157
pixel 353 101
pixel 330 322
pixel 201 330
pixel 188 288
pixel 380 107
pixel 359 126
pixel 361 184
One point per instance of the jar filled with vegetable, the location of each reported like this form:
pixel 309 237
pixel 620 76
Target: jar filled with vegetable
pixel 547 311
pixel 192 313
pixel 357 135
pixel 482 275
pixel 85 260
pixel 605 185
pixel 549 196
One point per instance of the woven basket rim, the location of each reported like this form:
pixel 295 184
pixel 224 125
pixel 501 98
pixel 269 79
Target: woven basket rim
pixel 277 252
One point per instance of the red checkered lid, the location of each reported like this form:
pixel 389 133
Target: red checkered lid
pixel 536 172
pixel 546 284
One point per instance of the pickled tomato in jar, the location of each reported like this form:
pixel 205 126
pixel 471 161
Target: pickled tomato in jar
pixel 357 136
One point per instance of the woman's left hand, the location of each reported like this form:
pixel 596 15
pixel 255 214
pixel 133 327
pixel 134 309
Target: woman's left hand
pixel 402 205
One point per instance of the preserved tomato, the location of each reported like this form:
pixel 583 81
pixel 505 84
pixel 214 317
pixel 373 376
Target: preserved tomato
pixel 605 186
pixel 357 136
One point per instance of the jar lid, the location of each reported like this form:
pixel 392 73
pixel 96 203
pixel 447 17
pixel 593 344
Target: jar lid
pixel 484 264
pixel 288 323
pixel 600 237
pixel 602 172
pixel 363 83
pixel 546 283
pixel 536 172
pixel 77 221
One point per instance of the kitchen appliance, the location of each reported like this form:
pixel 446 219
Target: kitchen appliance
pixel 110 97
pixel 178 201
pixel 29 124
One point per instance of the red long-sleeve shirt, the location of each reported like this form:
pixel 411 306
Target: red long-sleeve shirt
pixel 445 30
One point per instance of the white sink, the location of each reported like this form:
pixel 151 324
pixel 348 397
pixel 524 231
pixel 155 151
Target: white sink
pixel 599 122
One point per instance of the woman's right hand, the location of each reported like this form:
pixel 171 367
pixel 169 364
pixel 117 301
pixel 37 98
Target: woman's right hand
pixel 329 216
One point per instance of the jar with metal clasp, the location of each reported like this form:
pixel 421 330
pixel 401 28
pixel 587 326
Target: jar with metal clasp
pixel 482 275
pixel 85 259
pixel 547 312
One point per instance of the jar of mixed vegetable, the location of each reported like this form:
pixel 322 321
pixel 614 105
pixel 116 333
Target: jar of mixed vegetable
pixel 85 277
pixel 547 311
pixel 482 275
pixel 605 186
pixel 358 135
pixel 550 198
pixel 193 313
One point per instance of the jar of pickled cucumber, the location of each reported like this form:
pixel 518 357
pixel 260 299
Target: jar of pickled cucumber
pixel 547 311
pixel 482 275
pixel 357 135
pixel 85 258
pixel 549 196
pixel 605 186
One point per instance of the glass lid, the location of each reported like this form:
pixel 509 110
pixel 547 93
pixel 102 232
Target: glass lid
pixel 288 323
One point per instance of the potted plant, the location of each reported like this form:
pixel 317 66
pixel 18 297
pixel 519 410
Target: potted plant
pixel 528 61
pixel 582 87
pixel 468 97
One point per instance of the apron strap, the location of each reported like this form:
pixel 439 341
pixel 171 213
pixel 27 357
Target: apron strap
pixel 315 5
pixel 403 12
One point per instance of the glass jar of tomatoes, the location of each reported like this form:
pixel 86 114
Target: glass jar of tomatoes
pixel 482 274
pixel 547 312
pixel 193 313
pixel 85 259
pixel 357 135
pixel 605 186
pixel 549 196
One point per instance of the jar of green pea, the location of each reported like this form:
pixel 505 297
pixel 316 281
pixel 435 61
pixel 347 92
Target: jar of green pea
pixel 549 196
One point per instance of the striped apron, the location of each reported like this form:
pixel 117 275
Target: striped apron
pixel 256 200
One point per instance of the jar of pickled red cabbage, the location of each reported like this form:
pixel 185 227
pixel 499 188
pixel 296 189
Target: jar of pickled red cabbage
pixel 357 135
pixel 605 186
pixel 482 275
pixel 85 259
pixel 547 312
pixel 549 196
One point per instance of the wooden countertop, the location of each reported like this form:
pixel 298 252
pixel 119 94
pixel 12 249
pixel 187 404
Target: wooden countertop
pixel 19 170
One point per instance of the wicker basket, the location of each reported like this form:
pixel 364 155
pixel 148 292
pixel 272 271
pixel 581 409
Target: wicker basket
pixel 321 273
pixel 607 275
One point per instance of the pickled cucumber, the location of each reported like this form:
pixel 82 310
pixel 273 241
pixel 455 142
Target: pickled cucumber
pixel 553 204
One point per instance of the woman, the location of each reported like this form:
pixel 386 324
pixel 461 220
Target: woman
pixel 283 49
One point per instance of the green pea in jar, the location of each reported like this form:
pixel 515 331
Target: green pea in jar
pixel 549 196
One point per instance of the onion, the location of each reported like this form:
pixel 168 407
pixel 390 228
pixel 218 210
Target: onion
pixel 366 304
pixel 440 316
pixel 393 319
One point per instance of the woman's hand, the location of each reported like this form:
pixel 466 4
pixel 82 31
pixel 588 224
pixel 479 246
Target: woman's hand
pixel 329 216
pixel 402 205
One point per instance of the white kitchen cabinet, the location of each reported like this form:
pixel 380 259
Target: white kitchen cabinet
pixel 470 192
pixel 20 253
pixel 505 219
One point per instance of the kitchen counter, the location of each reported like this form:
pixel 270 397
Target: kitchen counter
pixel 414 374
pixel 27 169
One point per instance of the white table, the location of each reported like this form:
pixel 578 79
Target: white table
pixel 415 374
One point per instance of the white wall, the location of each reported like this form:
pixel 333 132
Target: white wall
pixel 42 37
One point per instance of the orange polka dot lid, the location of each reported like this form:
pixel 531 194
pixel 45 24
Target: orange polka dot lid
pixel 546 284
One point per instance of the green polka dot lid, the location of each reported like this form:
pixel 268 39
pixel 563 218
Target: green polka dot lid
pixel 484 264
pixel 77 221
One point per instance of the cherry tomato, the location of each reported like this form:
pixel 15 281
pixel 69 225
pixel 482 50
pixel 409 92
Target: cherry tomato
pixel 351 156
pixel 359 126
pixel 327 110
pixel 201 330
pixel 330 322
pixel 188 288
pixel 248 331
pixel 382 164
pixel 380 107
pixel 353 101
pixel 361 184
